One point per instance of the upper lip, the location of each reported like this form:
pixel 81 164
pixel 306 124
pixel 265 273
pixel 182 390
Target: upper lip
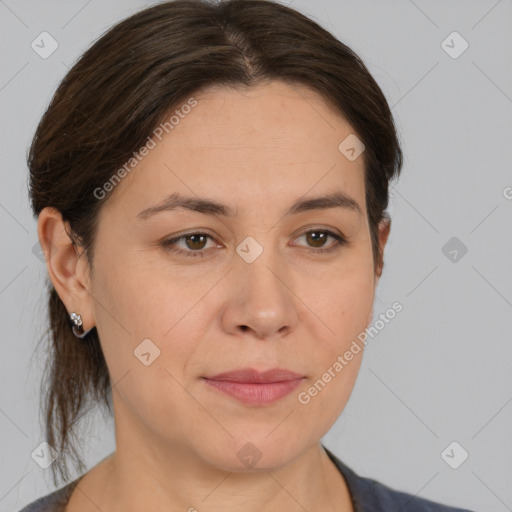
pixel 251 375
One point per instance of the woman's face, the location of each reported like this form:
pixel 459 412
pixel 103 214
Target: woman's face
pixel 250 290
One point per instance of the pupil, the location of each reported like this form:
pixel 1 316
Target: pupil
pixel 194 237
pixel 321 238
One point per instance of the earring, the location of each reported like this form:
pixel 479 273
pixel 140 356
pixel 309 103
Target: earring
pixel 77 327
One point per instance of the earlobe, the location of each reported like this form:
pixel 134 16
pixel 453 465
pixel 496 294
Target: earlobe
pixel 66 267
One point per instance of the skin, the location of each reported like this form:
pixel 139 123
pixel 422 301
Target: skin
pixel 257 150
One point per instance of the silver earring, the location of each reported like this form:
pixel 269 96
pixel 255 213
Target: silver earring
pixel 77 327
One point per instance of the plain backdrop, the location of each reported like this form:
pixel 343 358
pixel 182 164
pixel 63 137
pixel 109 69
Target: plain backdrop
pixel 439 372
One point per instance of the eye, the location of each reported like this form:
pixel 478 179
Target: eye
pixel 193 241
pixel 317 238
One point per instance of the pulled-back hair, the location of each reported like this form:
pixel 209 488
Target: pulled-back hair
pixel 123 87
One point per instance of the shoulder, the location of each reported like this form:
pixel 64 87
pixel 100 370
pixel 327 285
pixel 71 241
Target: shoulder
pixel 371 495
pixel 376 496
pixel 54 502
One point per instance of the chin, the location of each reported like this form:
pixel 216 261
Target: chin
pixel 261 453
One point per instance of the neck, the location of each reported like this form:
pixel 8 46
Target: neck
pixel 145 473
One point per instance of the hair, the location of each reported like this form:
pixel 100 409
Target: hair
pixel 122 88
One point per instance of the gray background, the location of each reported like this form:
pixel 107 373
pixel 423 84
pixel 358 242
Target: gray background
pixel 440 371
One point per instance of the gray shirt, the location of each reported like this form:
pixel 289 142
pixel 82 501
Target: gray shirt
pixel 367 496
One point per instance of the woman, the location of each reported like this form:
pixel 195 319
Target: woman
pixel 211 185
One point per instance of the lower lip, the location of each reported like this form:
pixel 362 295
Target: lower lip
pixel 255 393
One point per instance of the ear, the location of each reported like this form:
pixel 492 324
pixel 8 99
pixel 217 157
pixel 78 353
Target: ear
pixel 67 266
pixel 384 229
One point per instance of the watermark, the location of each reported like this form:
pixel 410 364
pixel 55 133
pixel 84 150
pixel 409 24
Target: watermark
pixel 454 249
pixel 158 132
pixel 454 455
pixel 352 147
pixel 44 455
pixel 44 45
pixel 249 249
pixel 454 45
pixel 146 352
pixel 249 455
pixel 304 397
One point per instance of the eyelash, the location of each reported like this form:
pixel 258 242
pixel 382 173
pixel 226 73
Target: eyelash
pixel 340 241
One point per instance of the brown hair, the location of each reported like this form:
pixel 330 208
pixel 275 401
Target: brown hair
pixel 122 88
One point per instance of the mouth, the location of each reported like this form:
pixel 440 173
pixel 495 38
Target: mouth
pixel 255 388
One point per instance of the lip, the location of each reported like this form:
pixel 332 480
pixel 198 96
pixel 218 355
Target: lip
pixel 252 387
pixel 249 375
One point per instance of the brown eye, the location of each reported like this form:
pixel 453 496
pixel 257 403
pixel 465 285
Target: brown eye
pixel 195 241
pixel 316 238
pixel 194 244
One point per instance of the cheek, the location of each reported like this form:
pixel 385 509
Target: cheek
pixel 344 303
pixel 133 313
pixel 337 357
pixel 343 297
pixel 138 300
pixel 353 301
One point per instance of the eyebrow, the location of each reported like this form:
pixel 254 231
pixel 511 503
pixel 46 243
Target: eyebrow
pixel 206 206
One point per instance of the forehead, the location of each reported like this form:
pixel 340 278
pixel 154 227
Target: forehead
pixel 263 142
pixel 275 113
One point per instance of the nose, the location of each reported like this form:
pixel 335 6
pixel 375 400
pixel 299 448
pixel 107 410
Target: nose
pixel 261 301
